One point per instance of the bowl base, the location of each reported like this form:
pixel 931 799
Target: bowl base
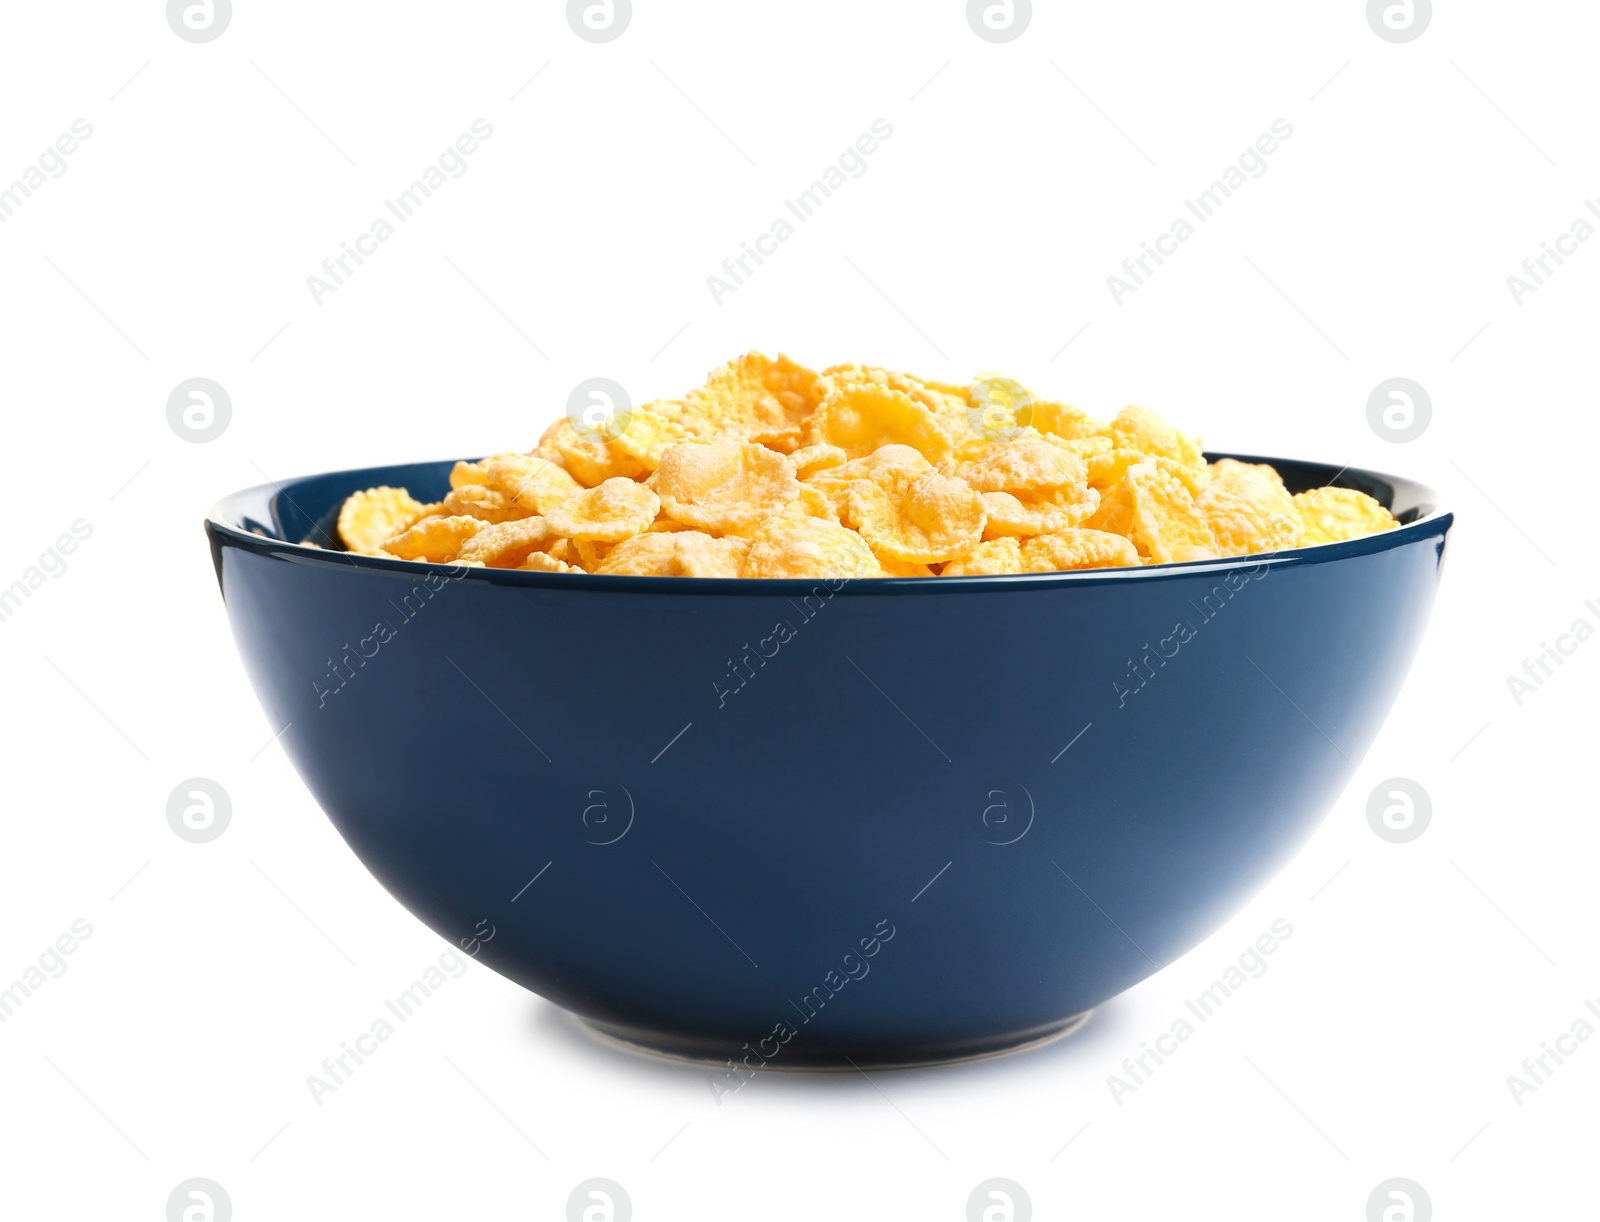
pixel 794 1057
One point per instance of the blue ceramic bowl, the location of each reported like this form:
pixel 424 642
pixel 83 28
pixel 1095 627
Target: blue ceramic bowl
pixel 786 822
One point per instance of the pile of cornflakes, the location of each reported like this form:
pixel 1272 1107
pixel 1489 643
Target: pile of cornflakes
pixel 773 470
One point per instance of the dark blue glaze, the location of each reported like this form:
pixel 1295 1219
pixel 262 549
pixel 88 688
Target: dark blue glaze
pixel 505 720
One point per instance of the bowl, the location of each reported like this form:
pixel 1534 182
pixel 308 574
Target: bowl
pixel 800 824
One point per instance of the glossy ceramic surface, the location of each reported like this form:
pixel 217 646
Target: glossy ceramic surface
pixel 790 822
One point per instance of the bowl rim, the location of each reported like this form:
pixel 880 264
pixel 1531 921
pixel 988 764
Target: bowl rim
pixel 224 525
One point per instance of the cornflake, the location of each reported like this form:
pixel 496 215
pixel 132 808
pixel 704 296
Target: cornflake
pixel 618 509
pixel 1248 509
pixel 724 487
pixel 771 469
pixel 367 519
pixel 1332 515
pixel 808 547
pixel 435 539
pixel 926 521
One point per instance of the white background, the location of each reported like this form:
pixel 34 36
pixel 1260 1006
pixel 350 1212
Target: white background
pixel 178 244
